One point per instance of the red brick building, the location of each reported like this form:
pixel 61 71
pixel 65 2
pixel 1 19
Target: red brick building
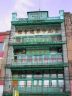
pixel 68 28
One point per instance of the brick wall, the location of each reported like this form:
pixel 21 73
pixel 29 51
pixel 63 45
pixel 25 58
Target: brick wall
pixel 68 29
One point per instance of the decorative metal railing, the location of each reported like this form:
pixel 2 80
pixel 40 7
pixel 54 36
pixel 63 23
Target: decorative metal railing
pixel 37 60
pixel 39 89
pixel 46 39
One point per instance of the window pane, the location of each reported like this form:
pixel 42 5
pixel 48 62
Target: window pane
pixel 40 82
pixel 21 83
pixel 53 75
pixel 1 46
pixel 61 83
pixel 46 75
pixel 37 76
pixel 60 75
pixel 29 83
pixel 54 83
pixel 23 76
pixel 46 83
pixel 15 76
pixel 29 76
pixel 35 82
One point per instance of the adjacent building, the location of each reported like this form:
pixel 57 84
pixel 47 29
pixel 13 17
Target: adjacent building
pixel 37 63
pixel 68 28
pixel 4 36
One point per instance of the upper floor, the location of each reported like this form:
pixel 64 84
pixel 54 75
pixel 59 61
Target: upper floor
pixel 37 17
pixel 37 28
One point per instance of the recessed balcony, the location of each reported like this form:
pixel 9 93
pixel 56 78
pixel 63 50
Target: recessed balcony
pixel 38 39
pixel 39 89
pixel 51 60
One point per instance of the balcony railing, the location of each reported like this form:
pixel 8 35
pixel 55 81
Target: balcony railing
pixel 46 39
pixel 52 59
pixel 39 89
pixel 20 21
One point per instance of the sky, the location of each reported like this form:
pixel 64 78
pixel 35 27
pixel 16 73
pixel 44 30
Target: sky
pixel 22 6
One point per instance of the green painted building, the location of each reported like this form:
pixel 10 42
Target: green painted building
pixel 37 62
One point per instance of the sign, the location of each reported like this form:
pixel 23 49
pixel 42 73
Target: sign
pixel 15 93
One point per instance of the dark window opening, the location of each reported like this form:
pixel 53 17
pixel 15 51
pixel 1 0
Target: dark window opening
pixel 19 31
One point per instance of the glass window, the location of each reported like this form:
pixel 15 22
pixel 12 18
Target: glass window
pixel 40 83
pixel 1 46
pixel 15 76
pixel 23 76
pixel 61 83
pixel 46 83
pixel 19 31
pixel 46 75
pixel 53 75
pixel 29 83
pixel 60 75
pixel 29 76
pixel 54 83
pixel 21 83
pixel 35 82
pixel 37 76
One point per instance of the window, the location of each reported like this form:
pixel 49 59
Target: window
pixel 35 82
pixel 53 76
pixel 37 76
pixel 38 30
pixel 15 76
pixel 40 83
pixel 29 83
pixel 1 46
pixel 46 75
pixel 32 31
pixel 61 83
pixel 29 76
pixel 60 75
pixel 21 83
pixel 15 58
pixel 46 83
pixel 25 31
pixel 19 31
pixel 23 76
pixel 54 83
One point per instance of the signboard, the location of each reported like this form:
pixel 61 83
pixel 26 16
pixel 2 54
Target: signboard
pixel 15 93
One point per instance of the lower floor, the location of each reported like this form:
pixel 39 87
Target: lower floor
pixel 41 80
pixel 49 82
pixel 57 94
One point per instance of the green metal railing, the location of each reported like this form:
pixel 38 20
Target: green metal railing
pixel 20 21
pixel 50 59
pixel 42 39
pixel 39 89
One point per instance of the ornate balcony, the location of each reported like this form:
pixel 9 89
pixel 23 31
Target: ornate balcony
pixel 37 39
pixel 51 60
pixel 39 89
pixel 37 17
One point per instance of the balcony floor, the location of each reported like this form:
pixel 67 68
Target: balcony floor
pixel 51 94
pixel 36 67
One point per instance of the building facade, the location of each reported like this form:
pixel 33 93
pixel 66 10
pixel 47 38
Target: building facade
pixel 4 36
pixel 37 63
pixel 68 28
